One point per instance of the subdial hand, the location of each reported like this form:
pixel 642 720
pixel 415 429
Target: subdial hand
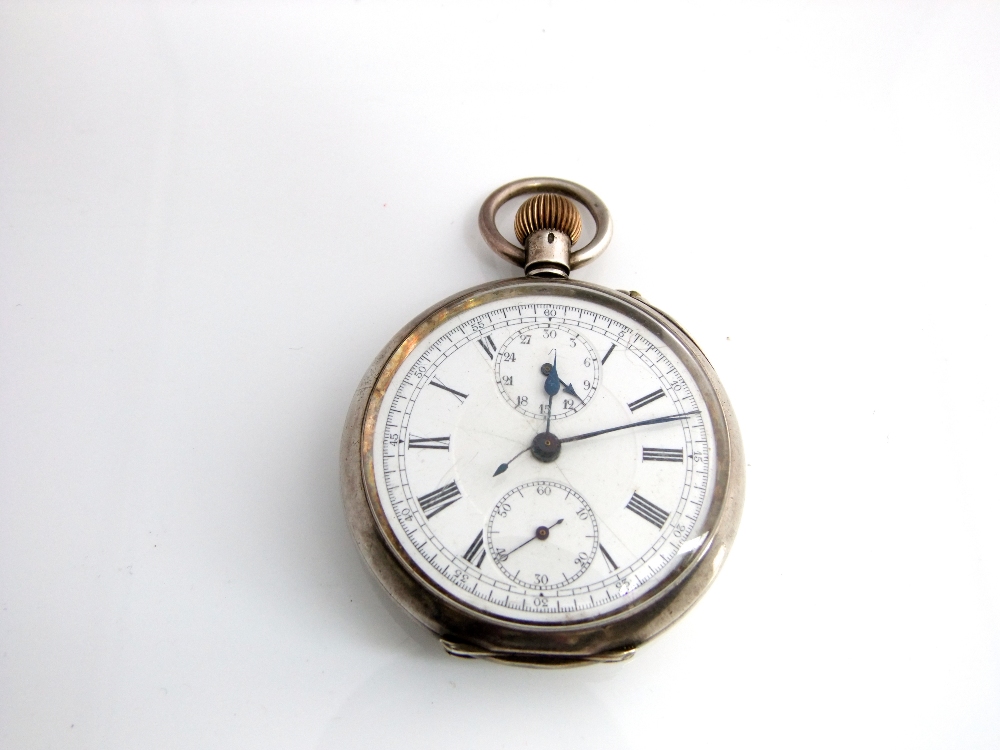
pixel 568 387
pixel 541 533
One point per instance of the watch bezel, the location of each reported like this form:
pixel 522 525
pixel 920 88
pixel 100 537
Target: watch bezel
pixel 471 631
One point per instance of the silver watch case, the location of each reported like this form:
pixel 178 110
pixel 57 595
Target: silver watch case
pixel 467 632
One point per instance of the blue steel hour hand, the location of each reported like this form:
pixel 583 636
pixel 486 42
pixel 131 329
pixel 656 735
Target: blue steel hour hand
pixel 552 380
pixel 552 383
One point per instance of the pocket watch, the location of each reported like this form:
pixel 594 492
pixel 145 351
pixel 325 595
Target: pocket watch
pixel 540 470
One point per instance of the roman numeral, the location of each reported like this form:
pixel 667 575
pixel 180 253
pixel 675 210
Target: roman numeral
pixel 605 359
pixel 438 443
pixel 476 548
pixel 646 400
pixel 434 502
pixel 612 565
pixel 488 346
pixel 647 511
pixel 458 394
pixel 663 454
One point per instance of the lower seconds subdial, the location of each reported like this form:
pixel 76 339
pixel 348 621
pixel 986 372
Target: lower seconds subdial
pixel 519 373
pixel 542 535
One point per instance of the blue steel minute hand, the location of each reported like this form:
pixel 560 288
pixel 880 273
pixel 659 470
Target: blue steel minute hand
pixel 643 423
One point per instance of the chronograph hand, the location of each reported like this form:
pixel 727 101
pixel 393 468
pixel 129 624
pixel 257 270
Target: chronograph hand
pixel 546 447
pixel 643 423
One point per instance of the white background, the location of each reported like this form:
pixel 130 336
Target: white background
pixel 213 216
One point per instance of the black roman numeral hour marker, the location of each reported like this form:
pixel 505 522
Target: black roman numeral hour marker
pixel 646 400
pixel 605 359
pixel 488 346
pixel 663 454
pixel 612 565
pixel 476 549
pixel 438 443
pixel 458 394
pixel 647 511
pixel 434 502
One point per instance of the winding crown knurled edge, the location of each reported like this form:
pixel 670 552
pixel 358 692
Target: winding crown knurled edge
pixel 548 211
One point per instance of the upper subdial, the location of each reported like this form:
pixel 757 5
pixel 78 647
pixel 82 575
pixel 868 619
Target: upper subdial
pixel 521 377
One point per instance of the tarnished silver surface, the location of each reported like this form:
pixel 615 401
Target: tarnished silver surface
pixel 470 633
pixel 548 254
pixel 517 255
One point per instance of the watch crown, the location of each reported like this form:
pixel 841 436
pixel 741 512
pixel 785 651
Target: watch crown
pixel 548 211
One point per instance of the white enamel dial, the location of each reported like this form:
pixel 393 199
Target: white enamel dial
pixel 604 492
